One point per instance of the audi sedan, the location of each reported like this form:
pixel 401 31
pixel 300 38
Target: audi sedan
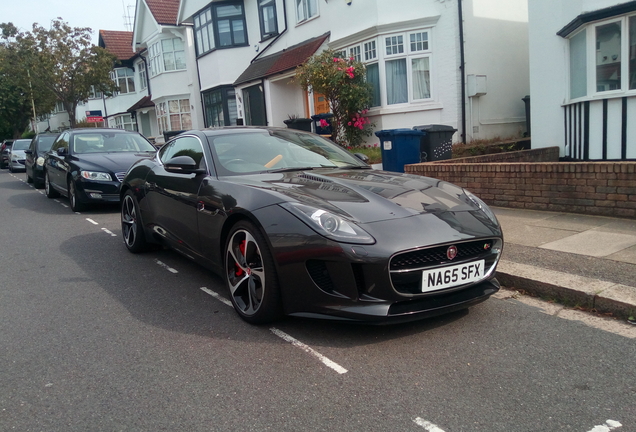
pixel 87 165
pixel 296 225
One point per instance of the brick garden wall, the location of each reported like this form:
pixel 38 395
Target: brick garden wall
pixel 599 188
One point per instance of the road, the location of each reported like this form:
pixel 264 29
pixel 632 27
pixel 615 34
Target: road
pixel 94 338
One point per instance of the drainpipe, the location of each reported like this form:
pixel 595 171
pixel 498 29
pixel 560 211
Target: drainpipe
pixel 462 68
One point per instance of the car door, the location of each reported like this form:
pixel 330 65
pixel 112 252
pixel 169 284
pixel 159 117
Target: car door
pixel 173 196
pixel 56 165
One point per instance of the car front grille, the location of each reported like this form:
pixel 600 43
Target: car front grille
pixel 120 176
pixel 406 267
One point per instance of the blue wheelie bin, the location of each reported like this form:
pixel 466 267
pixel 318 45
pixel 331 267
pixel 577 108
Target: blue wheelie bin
pixel 399 147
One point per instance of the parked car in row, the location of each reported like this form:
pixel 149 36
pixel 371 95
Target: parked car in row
pixel 87 165
pixel 17 155
pixel 4 153
pixel 297 225
pixel 34 163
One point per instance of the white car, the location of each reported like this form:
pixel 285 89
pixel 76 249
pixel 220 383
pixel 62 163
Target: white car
pixel 17 156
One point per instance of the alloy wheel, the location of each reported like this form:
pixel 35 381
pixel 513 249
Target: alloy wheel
pixel 129 221
pixel 245 272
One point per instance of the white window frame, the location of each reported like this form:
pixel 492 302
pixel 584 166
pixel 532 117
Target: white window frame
pixel 303 8
pixel 124 121
pixel 157 56
pixel 123 77
pixel 171 110
pixel 143 76
pixel 592 92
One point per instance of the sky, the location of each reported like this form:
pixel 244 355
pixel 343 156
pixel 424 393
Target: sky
pixel 98 15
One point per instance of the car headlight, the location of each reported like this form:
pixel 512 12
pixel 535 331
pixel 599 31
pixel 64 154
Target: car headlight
pixel 328 224
pixel 482 206
pixel 14 157
pixel 96 175
pixel 40 161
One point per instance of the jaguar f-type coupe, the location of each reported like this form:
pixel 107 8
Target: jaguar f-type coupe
pixel 296 225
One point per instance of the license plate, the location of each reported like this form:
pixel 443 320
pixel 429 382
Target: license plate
pixel 459 274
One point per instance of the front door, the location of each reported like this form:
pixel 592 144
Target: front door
pixel 321 106
pixel 254 105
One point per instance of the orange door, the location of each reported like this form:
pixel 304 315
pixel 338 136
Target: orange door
pixel 321 106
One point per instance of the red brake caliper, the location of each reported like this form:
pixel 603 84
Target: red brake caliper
pixel 239 271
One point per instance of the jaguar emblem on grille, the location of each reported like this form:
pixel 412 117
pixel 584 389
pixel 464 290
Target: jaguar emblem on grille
pixel 451 252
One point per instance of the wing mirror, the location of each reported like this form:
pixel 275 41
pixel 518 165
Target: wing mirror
pixel 62 151
pixel 28 151
pixel 183 165
pixel 364 158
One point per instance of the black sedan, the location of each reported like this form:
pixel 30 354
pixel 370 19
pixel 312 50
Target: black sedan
pixel 34 163
pixel 296 225
pixel 87 165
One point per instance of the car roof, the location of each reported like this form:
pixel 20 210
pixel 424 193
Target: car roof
pixel 243 129
pixel 101 130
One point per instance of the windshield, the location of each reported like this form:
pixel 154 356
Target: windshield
pixel 21 144
pixel 110 142
pixel 270 151
pixel 45 143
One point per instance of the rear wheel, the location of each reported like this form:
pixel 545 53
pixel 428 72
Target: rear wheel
pixel 251 276
pixel 76 206
pixel 48 188
pixel 131 224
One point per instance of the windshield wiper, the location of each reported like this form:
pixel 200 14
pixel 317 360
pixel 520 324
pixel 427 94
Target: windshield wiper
pixel 356 166
pixel 288 169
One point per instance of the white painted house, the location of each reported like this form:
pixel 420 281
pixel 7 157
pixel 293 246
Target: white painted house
pixel 169 61
pixel 583 77
pixel 247 52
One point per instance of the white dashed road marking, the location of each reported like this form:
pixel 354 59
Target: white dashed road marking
pixel 430 427
pixel 608 426
pixel 112 234
pixel 92 221
pixel 216 296
pixel 331 364
pixel 170 269
pixel 310 350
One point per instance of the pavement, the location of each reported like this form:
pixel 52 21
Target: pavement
pixel 578 260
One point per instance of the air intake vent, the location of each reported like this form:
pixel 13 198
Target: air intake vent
pixel 120 176
pixel 314 178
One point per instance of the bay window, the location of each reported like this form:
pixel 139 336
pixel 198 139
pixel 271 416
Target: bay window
pixel 173 115
pixel 220 107
pixel 123 121
pixel 166 55
pixel 602 58
pixel 220 26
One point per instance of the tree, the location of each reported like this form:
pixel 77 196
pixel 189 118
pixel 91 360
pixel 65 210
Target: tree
pixel 64 61
pixel 342 82
pixel 19 95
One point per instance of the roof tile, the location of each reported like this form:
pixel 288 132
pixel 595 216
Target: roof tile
pixel 164 11
pixel 118 43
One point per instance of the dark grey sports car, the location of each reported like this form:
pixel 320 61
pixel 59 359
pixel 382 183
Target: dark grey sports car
pixel 298 226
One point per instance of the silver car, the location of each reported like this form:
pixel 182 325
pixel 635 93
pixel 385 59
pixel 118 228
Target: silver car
pixel 17 156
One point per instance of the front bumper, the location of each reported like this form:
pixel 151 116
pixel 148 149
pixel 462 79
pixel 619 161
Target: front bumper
pixel 321 278
pixel 97 191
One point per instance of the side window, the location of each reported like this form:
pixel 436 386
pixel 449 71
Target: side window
pixel 185 146
pixel 62 142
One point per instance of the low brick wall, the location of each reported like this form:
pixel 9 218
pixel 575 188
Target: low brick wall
pixel 547 154
pixel 598 188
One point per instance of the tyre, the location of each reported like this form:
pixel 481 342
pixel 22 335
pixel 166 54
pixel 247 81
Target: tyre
pixel 131 225
pixel 48 189
pixel 250 275
pixel 76 206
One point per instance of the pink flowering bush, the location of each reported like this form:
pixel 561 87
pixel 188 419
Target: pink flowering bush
pixel 342 82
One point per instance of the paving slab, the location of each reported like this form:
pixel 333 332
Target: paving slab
pixel 521 233
pixel 592 243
